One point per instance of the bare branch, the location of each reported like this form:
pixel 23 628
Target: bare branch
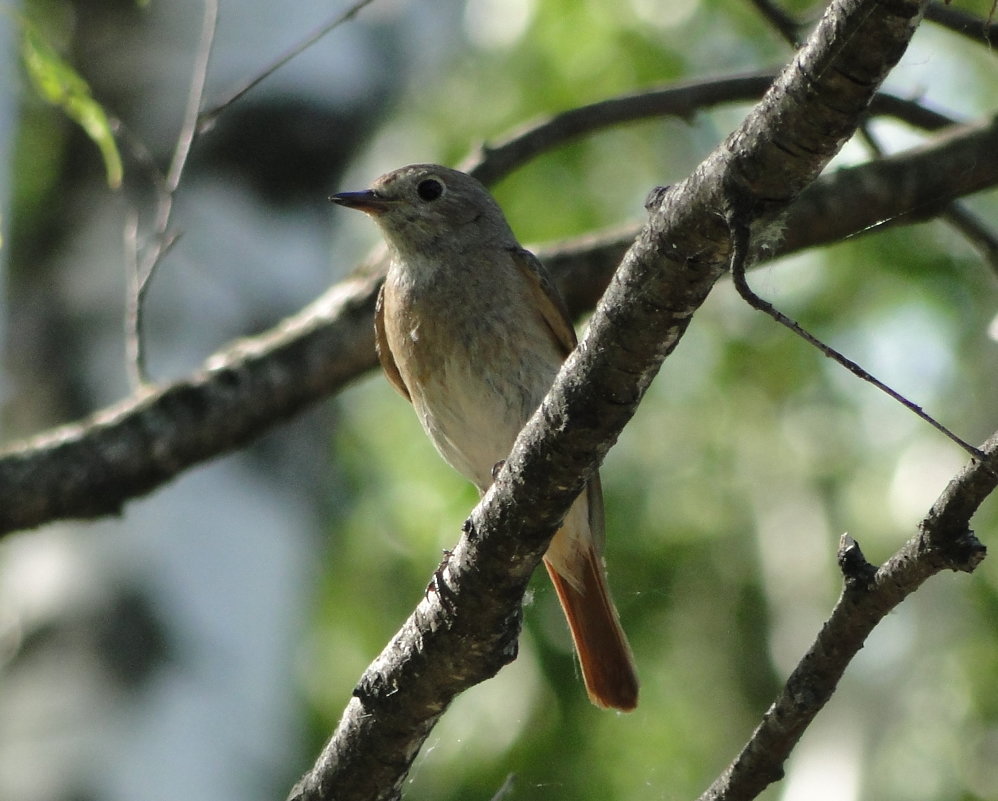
pixel 902 189
pixel 976 231
pixel 982 31
pixel 188 129
pixel 782 22
pixel 142 262
pixel 740 237
pixel 208 117
pixel 94 467
pixel 958 216
pixel 494 162
pixel 944 542
pixel 783 144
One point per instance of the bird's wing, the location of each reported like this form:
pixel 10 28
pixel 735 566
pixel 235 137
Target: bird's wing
pixel 597 522
pixel 555 314
pixel 547 299
pixel 384 352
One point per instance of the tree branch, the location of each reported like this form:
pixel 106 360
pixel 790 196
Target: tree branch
pixel 444 647
pixel 982 31
pixel 784 24
pixel 207 118
pixel 944 542
pixel 492 163
pixel 902 189
pixel 94 467
pixel 142 261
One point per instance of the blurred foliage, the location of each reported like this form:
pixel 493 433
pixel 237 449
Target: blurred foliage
pixel 58 83
pixel 728 492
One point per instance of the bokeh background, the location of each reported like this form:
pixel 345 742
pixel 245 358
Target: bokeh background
pixel 202 645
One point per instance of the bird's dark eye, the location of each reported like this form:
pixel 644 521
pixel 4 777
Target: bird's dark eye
pixel 429 189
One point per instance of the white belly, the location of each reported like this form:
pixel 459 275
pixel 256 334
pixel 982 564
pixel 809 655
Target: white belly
pixel 473 416
pixel 475 373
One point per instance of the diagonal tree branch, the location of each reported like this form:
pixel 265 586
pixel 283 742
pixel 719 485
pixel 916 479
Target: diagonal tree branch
pixel 493 162
pixel 944 542
pixel 902 189
pixel 977 29
pixel 94 467
pixel 466 631
pixel 207 118
pixel 784 24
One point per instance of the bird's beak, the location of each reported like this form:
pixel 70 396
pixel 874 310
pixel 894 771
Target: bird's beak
pixel 368 201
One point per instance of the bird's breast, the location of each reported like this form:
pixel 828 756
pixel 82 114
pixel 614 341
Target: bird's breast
pixel 476 359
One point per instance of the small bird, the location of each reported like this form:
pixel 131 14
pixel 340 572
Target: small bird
pixel 471 330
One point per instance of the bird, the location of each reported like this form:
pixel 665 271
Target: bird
pixel 471 330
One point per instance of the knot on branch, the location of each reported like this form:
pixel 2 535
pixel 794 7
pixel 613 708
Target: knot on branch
pixel 961 552
pixel 373 688
pixel 856 570
pixel 655 198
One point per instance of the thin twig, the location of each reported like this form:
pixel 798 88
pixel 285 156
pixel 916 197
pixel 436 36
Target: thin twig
pixel 944 542
pixel 492 162
pixel 976 231
pixel 959 217
pixel 740 238
pixel 506 789
pixel 142 262
pixel 188 130
pixel 685 99
pixel 784 24
pixel 245 389
pixel 134 356
pixel 666 275
pixel 982 31
pixel 208 117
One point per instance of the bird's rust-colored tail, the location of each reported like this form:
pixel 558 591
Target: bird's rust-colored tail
pixel 604 654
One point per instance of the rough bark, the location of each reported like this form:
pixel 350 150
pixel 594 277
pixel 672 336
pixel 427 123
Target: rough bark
pixel 677 257
pixel 95 466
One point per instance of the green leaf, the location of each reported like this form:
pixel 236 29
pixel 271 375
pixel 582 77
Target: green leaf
pixel 59 84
